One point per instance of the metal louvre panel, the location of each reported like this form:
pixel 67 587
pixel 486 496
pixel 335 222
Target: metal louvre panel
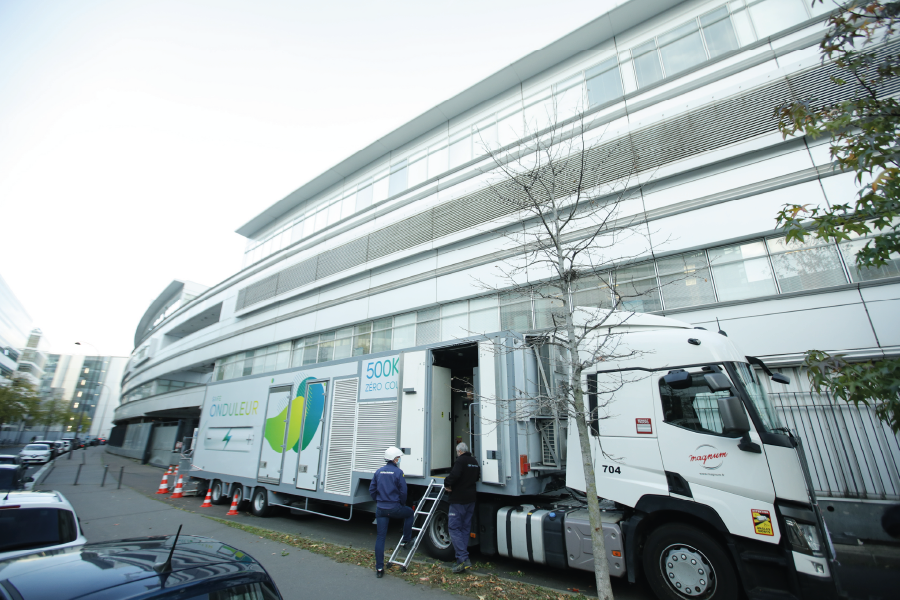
pixel 342 258
pixel 472 210
pixel 376 429
pixel 261 290
pixel 339 461
pixel 300 274
pixel 242 294
pixel 404 234
pixel 704 129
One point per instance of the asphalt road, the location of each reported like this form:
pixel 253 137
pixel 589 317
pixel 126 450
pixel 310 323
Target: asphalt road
pixel 865 573
pixel 143 512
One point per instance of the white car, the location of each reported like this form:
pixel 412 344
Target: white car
pixel 36 453
pixel 37 522
pixel 66 445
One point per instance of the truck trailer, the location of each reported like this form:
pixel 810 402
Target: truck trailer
pixel 704 493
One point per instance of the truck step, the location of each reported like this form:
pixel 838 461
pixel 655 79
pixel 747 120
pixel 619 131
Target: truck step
pixel 761 593
pixel 761 557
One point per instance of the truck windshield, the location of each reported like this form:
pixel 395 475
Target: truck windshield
pixel 758 396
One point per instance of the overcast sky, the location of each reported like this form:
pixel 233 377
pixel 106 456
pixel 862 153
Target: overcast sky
pixel 136 136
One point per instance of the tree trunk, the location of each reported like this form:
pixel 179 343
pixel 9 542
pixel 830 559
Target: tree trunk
pixel 598 545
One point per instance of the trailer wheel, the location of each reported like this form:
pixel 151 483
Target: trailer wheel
pixel 237 493
pixel 217 494
pixel 437 543
pixel 259 506
pixel 681 562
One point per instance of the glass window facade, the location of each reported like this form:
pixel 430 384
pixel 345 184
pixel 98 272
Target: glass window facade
pixel 689 44
pixel 752 269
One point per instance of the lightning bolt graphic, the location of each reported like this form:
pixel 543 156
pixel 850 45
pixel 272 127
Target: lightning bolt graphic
pixel 227 438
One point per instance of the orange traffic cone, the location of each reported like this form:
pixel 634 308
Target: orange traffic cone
pixel 178 489
pixel 175 475
pixel 233 510
pixel 207 503
pixel 164 484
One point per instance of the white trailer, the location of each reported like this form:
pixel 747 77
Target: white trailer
pixel 705 494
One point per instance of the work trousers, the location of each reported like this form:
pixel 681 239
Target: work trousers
pixel 384 516
pixel 460 524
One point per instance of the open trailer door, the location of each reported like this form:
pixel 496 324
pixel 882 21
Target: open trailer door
pixel 488 426
pixel 413 392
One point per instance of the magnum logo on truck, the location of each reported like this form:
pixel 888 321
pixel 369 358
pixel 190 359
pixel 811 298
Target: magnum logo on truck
pixel 709 457
pixel 311 407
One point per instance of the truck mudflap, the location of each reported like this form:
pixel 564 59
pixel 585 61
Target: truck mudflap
pixel 558 537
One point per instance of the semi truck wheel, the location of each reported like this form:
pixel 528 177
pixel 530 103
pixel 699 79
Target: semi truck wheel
pixel 259 506
pixel 437 543
pixel 681 561
pixel 217 495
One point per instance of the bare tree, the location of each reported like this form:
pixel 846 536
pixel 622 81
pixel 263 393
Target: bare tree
pixel 578 239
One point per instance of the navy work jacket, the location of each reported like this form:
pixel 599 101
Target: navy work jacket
pixel 388 487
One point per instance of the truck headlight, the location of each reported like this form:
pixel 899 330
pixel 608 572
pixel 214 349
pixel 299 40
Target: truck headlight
pixel 803 537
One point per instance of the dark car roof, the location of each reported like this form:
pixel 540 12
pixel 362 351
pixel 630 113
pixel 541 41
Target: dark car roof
pixel 113 569
pixel 10 466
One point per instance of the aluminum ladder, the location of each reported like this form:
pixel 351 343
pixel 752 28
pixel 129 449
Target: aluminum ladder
pixel 426 507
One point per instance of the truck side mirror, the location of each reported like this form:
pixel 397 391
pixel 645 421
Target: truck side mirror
pixel 734 418
pixel 779 378
pixel 678 380
pixel 717 382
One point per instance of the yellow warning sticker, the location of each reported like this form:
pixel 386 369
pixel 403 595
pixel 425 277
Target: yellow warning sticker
pixel 762 522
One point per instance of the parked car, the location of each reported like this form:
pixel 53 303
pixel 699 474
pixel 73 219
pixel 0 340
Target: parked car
pixel 54 449
pixel 36 453
pixel 10 459
pixel 67 445
pixel 36 522
pixel 101 441
pixel 12 477
pixel 74 443
pixel 200 567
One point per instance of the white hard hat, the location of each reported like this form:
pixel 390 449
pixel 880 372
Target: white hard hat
pixel 392 453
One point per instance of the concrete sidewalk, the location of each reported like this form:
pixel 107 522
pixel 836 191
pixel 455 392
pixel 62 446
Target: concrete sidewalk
pixel 108 513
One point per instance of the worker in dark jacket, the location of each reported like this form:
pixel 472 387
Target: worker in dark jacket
pixel 388 490
pixel 461 485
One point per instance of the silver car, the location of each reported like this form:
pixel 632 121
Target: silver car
pixel 35 453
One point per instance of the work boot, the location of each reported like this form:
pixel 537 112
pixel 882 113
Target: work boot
pixel 379 573
pixel 459 568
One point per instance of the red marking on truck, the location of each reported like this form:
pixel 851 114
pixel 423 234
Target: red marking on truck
pixel 705 457
pixel 643 425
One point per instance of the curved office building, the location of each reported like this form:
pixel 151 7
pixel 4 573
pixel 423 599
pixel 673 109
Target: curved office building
pixel 398 246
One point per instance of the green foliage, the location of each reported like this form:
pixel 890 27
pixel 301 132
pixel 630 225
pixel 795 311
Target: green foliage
pixel 871 383
pixel 864 131
pixel 18 400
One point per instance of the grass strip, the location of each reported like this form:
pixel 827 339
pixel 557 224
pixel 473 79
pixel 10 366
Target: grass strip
pixel 433 573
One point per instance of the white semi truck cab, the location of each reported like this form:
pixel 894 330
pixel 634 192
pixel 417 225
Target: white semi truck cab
pixel 704 493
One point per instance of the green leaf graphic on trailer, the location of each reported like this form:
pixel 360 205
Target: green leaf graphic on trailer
pixel 315 404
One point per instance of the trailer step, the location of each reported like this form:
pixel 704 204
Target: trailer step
pixel 435 493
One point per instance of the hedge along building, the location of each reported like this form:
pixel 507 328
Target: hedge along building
pixel 385 250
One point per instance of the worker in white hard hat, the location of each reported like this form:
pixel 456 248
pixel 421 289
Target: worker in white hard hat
pixel 388 489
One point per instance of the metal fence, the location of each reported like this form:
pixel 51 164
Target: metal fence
pixel 850 452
